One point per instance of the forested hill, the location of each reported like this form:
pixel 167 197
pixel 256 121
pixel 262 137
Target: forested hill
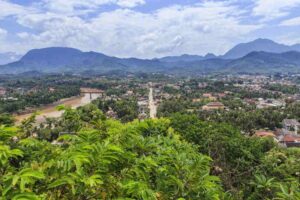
pixel 265 45
pixel 84 155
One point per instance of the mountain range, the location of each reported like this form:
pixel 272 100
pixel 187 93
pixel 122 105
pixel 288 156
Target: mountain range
pixel 259 56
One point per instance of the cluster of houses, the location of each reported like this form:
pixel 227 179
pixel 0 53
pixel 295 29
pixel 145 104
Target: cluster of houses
pixel 9 94
pixel 4 95
pixel 266 103
pixel 143 104
pixel 214 104
pixel 111 114
pixel 142 100
pixel 2 91
pixel 257 83
pixel 288 136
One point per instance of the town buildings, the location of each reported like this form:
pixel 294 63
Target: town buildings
pixel 213 106
pixel 2 91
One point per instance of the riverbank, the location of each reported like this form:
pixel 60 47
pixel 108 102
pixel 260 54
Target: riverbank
pixel 42 107
pixel 50 111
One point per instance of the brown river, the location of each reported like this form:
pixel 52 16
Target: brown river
pixel 51 111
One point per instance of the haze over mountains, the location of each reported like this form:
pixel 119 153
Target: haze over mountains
pixel 259 56
pixel 9 57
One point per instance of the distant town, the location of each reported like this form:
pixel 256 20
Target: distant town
pixel 214 98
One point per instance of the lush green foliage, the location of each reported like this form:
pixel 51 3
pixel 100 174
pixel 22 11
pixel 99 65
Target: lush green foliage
pixel 126 109
pixel 238 159
pixel 6 119
pixel 286 89
pixel 83 155
pixel 170 107
pixel 104 159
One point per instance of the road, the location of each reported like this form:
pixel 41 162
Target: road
pixel 152 105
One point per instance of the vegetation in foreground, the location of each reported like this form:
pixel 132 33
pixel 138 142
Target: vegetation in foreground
pixel 83 155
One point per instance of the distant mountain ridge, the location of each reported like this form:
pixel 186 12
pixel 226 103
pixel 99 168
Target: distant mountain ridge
pixel 266 62
pixel 63 59
pixel 277 58
pixel 187 58
pixel 239 51
pixel 266 45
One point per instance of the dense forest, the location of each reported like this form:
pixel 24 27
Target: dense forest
pixel 84 155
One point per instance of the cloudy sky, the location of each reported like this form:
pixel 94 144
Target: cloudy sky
pixel 145 28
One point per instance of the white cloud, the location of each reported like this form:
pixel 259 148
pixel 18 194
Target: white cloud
pixel 11 9
pixel 81 7
pixel 23 35
pixel 73 7
pixel 130 3
pixel 272 9
pixel 209 25
pixel 290 38
pixel 291 22
pixel 3 33
pixel 193 29
pixel 173 30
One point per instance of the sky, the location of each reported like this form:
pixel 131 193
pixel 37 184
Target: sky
pixel 146 28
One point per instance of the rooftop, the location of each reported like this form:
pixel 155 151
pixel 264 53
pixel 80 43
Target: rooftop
pixel 263 133
pixel 215 104
pixel 291 122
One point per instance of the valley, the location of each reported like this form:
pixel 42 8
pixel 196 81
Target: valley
pixel 149 100
pixel 248 120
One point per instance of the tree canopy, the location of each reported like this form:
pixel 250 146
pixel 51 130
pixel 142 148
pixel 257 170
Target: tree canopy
pixel 84 155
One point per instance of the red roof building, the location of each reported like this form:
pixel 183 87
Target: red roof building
pixel 214 106
pixel 263 133
pixel 290 140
